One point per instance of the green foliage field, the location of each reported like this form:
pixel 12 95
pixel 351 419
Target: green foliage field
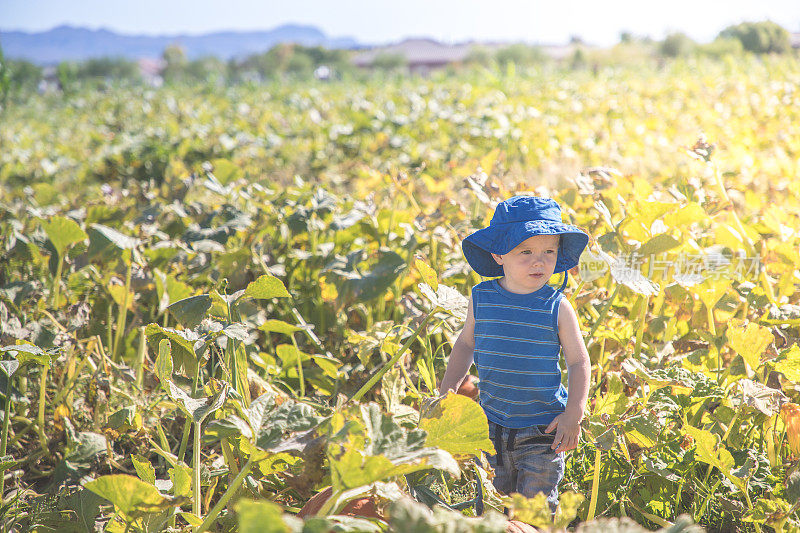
pixel 216 302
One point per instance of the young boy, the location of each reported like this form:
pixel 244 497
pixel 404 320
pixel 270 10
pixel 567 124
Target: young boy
pixel 516 327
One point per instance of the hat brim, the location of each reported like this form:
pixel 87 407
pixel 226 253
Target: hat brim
pixel 502 238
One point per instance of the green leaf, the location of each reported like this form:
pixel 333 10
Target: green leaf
pixel 447 298
pixel 658 244
pixel 614 402
pixel 122 417
pixel 236 331
pixel 164 362
pixel 129 495
pixel 365 287
pixel 144 469
pixel 225 171
pixel 262 516
pixel 26 353
pixel 534 511
pixel 86 448
pixel 289 355
pixel 709 451
pixel 63 232
pixel 643 429
pixel 181 476
pixel 192 310
pixel 760 397
pixel 197 408
pixel 789 364
pixel 457 425
pixel 749 341
pixel 106 235
pixel 170 290
pixel 181 346
pixel 353 469
pixel 9 367
pixel 259 408
pixel 279 326
pixel 266 287
pixel 6 462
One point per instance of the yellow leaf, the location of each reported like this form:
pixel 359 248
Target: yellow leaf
pixel 328 290
pixel 428 274
pixel 686 215
pixel 488 161
pixel 711 290
pixel 749 341
pixel 457 425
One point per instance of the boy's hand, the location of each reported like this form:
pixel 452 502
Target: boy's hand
pixel 568 431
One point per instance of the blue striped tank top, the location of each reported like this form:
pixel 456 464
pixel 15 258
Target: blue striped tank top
pixel 516 353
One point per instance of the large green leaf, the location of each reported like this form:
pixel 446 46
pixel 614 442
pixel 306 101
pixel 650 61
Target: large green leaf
pixel 266 287
pixel 192 310
pixel 458 425
pixel 63 232
pixel 129 495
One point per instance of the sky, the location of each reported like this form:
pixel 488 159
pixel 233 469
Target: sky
pixel 383 21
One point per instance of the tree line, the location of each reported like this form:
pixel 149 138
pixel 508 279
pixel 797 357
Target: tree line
pixel 19 78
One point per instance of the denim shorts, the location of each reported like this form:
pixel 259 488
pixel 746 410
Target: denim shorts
pixel 525 462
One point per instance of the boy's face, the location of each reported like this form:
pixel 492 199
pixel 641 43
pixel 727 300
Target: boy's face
pixel 527 267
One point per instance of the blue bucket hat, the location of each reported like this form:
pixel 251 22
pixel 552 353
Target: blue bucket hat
pixel 516 220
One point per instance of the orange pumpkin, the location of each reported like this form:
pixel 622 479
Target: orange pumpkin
pixel 469 387
pixel 790 412
pixel 364 507
pixel 515 526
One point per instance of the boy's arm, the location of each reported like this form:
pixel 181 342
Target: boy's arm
pixel 461 355
pixel 579 366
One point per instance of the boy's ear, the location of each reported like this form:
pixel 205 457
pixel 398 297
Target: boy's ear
pixel 497 259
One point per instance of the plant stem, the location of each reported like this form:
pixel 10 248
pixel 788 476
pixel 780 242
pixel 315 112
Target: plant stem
pixel 196 473
pixel 4 438
pixel 123 312
pixel 223 501
pixel 42 402
pixel 300 375
pixel 640 330
pixel 142 355
pixel 603 312
pixel 745 237
pixel 595 484
pixel 188 425
pixel 57 282
pixel 375 378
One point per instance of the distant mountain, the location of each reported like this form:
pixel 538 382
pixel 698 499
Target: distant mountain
pixel 71 43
